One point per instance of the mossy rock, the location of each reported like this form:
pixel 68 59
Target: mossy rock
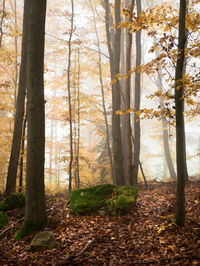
pixel 104 199
pixel 14 200
pixel 3 219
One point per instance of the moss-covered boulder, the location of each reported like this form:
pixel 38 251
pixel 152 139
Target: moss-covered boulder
pixel 14 200
pixel 3 219
pixel 104 199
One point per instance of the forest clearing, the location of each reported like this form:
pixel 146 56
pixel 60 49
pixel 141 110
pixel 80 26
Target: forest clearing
pixel 146 236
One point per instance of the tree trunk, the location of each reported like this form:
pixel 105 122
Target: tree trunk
pixel 123 107
pixel 114 53
pixel 16 55
pixel 136 156
pixel 116 103
pixel 69 97
pixel 180 127
pixel 3 15
pixel 17 134
pixel 103 95
pixel 128 96
pixel 35 209
pixel 165 134
pixel 21 169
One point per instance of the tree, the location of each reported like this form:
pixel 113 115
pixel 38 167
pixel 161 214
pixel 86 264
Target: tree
pixel 19 115
pixel 136 157
pixel 69 97
pixel 114 53
pixel 35 210
pixel 103 94
pixel 3 15
pixel 128 93
pixel 180 127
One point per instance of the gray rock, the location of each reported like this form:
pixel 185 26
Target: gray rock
pixel 42 241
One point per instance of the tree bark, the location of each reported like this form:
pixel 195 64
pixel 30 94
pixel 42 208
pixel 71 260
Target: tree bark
pixel 17 134
pixel 35 209
pixel 165 134
pixel 116 104
pixel 3 15
pixel 136 156
pixel 69 97
pixel 114 53
pixel 21 168
pixel 180 127
pixel 128 96
pixel 103 95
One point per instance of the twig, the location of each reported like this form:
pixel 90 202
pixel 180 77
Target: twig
pixel 90 242
pixel 68 259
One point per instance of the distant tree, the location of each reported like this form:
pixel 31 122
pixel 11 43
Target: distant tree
pixel 129 38
pixel 136 156
pixel 3 15
pixel 69 96
pixel 19 115
pixel 35 209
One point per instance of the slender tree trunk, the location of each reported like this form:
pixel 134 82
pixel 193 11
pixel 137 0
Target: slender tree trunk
pixel 136 156
pixel 128 96
pixel 69 97
pixel 123 107
pixel 15 149
pixel 35 209
pixel 116 102
pixel 78 137
pixel 166 135
pixel 51 152
pixel 103 95
pixel 16 54
pixel 167 153
pixel 180 127
pixel 3 15
pixel 21 168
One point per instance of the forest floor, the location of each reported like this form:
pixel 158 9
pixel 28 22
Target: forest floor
pixel 146 236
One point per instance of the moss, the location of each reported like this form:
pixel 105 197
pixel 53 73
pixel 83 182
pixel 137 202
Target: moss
pixel 3 219
pixel 1 206
pixel 105 199
pixel 88 199
pixel 122 200
pixel 14 200
pixel 29 227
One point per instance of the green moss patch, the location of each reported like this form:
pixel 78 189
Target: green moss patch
pixel 103 199
pixel 29 227
pixel 3 219
pixel 14 200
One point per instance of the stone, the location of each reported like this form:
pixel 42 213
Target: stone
pixel 42 241
pixel 103 199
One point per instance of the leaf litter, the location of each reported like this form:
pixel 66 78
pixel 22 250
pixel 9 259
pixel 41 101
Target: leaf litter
pixel 147 235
